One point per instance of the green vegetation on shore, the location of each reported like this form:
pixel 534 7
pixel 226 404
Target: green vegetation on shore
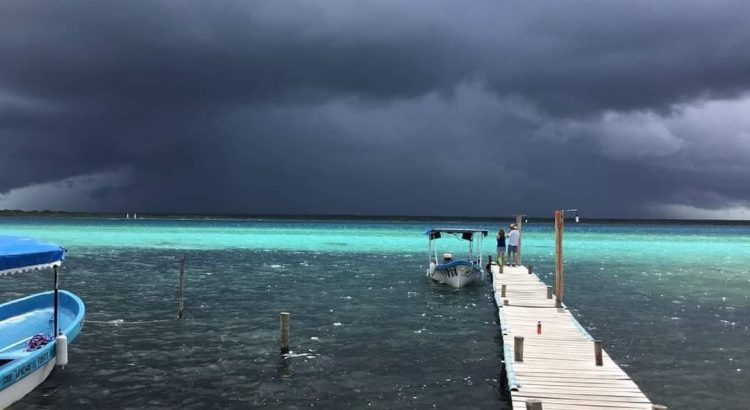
pixel 17 213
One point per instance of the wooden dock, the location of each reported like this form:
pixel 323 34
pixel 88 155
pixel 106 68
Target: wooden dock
pixel 558 366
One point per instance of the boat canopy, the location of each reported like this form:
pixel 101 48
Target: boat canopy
pixel 19 254
pixel 466 233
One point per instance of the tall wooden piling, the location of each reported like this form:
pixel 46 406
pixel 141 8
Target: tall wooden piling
pixel 503 289
pixel 181 308
pixel 519 224
pixel 559 283
pixel 284 339
pixel 598 353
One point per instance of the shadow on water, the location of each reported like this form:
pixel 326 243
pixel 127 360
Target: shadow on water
pixel 284 368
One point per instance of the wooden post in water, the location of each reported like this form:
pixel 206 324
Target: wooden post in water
pixel 533 404
pixel 518 348
pixel 531 269
pixel 549 292
pixel 598 352
pixel 284 332
pixel 502 290
pixel 558 258
pixel 180 310
pixel 518 253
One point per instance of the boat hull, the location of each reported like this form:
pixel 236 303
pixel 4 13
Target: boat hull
pixel 20 370
pixel 25 385
pixel 457 274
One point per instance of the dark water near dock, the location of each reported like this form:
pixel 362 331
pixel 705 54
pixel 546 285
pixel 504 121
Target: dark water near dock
pixel 384 337
pixel 368 330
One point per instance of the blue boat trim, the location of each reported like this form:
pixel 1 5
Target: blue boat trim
pixel 24 363
pixel 453 264
pixel 25 366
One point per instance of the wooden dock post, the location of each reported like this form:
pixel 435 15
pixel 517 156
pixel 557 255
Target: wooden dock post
pixel 284 332
pixel 549 292
pixel 518 253
pixel 531 269
pixel 503 288
pixel 598 352
pixel 180 310
pixel 518 348
pixel 506 302
pixel 533 404
pixel 559 215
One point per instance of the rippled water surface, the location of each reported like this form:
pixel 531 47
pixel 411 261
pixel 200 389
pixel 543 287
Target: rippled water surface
pixel 368 330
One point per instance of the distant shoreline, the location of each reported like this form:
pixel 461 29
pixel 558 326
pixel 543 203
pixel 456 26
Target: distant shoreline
pixel 394 218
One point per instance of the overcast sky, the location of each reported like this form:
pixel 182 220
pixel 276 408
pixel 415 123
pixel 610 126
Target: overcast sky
pixel 487 108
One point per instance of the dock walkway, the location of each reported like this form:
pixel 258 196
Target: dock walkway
pixel 558 366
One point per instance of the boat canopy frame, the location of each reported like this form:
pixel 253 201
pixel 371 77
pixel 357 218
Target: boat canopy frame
pixel 22 254
pixel 467 234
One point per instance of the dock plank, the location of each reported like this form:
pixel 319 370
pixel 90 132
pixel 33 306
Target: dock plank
pixel 558 365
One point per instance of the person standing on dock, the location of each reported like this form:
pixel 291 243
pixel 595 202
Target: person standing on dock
pixel 513 237
pixel 501 247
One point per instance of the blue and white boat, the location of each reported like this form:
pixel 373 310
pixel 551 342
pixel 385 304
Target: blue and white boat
pixel 455 271
pixel 34 330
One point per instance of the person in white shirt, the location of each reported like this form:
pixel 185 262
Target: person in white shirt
pixel 513 237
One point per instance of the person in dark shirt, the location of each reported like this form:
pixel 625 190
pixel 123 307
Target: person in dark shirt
pixel 501 247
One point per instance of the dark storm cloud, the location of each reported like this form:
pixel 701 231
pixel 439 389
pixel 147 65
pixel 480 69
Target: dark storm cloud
pixel 479 108
pixel 577 56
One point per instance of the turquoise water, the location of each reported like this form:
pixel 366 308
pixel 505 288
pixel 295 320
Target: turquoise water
pixel 672 304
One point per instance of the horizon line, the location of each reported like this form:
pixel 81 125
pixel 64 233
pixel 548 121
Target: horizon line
pixel 236 215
